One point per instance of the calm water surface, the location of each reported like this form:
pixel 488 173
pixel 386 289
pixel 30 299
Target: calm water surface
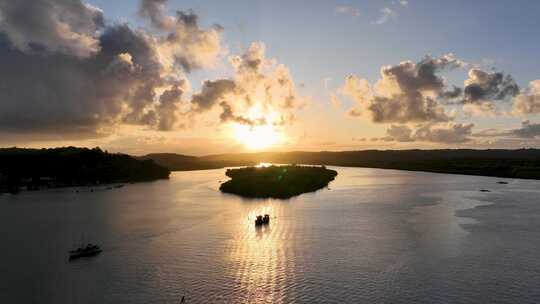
pixel 375 236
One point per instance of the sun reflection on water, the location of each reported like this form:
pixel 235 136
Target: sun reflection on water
pixel 258 256
pixel 264 165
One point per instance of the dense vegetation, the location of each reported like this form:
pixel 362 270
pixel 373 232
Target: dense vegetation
pixel 276 181
pixel 522 163
pixel 37 168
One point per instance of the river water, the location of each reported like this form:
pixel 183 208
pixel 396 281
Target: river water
pixel 374 236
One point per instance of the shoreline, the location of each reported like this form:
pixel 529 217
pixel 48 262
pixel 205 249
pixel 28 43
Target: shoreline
pixel 95 188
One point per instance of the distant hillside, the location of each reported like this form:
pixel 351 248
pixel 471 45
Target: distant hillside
pixel 523 163
pixel 37 168
pixel 179 162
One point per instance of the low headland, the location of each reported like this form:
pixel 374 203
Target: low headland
pixel 35 169
pixel 276 181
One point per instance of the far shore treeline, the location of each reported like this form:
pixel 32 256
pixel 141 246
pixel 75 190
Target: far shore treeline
pixel 71 166
pixel 35 169
pixel 520 163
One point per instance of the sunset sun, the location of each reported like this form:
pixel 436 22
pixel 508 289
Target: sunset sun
pixel 257 137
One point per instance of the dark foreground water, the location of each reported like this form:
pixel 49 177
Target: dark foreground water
pixel 376 236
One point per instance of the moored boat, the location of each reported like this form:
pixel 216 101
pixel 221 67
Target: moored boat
pixel 86 251
pixel 262 220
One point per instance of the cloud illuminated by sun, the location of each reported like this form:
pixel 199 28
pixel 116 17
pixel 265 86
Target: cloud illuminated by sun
pixel 259 136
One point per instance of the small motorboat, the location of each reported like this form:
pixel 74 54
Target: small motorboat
pixel 85 251
pixel 259 220
pixel 262 220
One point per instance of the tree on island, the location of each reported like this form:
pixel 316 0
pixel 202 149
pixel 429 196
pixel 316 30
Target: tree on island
pixel 276 181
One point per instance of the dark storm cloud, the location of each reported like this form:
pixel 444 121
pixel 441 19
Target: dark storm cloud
pixel 59 74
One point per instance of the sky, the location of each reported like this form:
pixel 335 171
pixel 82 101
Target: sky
pixel 209 77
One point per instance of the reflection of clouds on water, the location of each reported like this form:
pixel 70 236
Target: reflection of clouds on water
pixel 437 226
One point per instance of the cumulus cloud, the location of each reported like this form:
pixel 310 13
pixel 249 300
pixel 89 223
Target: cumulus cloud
pixel 53 26
pixel 399 133
pixel 483 108
pixel 528 101
pixel 65 70
pixel 167 108
pixel 481 90
pixel 450 133
pixel 358 89
pixel 188 45
pixel 483 86
pixel 211 93
pixel 155 11
pixel 407 92
pixel 261 91
pixel 452 94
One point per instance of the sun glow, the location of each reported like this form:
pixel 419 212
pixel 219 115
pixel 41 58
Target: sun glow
pixel 257 137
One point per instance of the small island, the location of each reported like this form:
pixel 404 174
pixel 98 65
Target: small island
pixel 276 181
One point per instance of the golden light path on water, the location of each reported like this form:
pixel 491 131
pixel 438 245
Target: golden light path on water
pixel 263 258
pixel 260 269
